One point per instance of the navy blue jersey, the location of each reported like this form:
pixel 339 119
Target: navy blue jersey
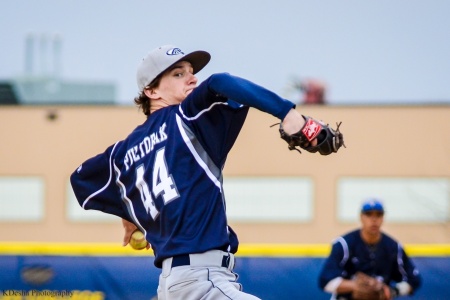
pixel 166 176
pixel 386 261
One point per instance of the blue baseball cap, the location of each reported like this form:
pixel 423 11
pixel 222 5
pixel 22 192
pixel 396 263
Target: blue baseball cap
pixel 372 204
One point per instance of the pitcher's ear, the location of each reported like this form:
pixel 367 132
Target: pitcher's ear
pixel 150 93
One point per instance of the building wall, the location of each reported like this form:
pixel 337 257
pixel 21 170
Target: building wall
pixel 390 141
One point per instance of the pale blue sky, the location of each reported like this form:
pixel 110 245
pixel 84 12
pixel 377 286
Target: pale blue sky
pixel 387 51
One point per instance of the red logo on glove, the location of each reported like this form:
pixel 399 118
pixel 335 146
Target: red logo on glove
pixel 311 129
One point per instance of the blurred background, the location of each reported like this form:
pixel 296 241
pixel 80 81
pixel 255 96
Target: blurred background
pixel 378 52
pixel 67 83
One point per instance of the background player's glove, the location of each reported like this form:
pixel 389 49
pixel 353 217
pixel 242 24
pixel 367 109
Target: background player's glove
pixel 369 288
pixel 328 139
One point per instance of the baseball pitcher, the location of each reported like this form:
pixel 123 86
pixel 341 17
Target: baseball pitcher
pixel 165 177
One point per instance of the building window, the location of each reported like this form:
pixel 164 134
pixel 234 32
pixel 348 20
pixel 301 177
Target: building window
pixel 269 199
pixel 22 199
pixel 406 200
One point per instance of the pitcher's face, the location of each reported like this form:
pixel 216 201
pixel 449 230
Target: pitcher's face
pixel 176 84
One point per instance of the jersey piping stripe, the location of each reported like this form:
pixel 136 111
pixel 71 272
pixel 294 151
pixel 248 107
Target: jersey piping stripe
pixel 206 166
pixel 203 155
pixel 127 200
pixel 345 248
pixel 401 267
pixel 201 112
pixel 106 185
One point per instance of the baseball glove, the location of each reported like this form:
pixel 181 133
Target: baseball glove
pixel 368 288
pixel 328 139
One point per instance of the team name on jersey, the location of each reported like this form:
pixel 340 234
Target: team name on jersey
pixel 140 150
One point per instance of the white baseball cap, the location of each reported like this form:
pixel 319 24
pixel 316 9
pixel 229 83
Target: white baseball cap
pixel 162 58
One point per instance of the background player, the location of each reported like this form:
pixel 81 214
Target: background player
pixel 165 178
pixel 372 252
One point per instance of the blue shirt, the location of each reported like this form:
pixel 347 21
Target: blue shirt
pixel 166 176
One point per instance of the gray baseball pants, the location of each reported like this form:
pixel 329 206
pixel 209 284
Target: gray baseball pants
pixel 205 276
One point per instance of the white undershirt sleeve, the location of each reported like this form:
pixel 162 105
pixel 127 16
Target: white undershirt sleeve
pixel 403 288
pixel 333 284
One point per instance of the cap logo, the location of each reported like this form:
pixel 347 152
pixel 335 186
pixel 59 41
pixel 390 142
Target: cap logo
pixel 174 51
pixel 372 204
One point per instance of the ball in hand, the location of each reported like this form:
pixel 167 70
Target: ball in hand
pixel 137 240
